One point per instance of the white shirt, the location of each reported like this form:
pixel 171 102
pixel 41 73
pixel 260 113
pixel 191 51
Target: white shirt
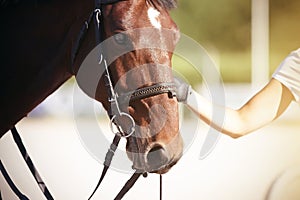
pixel 288 73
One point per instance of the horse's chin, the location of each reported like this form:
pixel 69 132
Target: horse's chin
pixel 161 171
pixel 166 168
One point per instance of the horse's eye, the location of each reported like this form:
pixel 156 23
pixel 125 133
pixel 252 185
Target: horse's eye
pixel 121 38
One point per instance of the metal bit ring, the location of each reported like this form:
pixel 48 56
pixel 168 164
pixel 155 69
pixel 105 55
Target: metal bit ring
pixel 122 114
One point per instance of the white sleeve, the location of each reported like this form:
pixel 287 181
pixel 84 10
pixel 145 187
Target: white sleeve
pixel 288 73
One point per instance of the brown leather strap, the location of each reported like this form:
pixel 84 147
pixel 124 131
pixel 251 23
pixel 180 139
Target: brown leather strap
pixel 149 91
pixel 128 185
pixel 108 158
pixel 160 187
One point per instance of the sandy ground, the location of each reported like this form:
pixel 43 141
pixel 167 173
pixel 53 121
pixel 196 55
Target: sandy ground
pixel 264 165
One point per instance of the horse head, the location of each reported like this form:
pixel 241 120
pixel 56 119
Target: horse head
pixel 146 33
pixel 138 40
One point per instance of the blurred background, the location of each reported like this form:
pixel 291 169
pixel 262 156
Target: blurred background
pixel 223 27
pixel 264 165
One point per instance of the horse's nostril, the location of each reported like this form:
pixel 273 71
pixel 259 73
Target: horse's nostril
pixel 157 157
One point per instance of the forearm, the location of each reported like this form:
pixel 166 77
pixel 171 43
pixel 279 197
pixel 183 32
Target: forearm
pixel 223 119
pixel 262 108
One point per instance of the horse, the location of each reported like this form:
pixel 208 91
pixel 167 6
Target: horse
pixel 38 38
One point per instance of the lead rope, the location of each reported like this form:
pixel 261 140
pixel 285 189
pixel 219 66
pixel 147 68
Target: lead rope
pixel 160 187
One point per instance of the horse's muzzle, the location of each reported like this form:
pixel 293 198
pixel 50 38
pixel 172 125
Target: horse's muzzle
pixel 157 158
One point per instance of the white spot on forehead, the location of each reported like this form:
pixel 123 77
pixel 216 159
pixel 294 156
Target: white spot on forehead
pixel 153 17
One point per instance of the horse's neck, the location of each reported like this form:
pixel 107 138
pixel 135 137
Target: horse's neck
pixel 35 54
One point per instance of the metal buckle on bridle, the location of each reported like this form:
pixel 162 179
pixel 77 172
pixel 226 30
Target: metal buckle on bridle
pixel 97 13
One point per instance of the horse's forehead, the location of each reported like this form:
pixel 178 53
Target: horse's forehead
pixel 129 15
pixel 153 16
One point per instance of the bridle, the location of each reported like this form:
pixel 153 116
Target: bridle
pixel 115 113
pixel 115 100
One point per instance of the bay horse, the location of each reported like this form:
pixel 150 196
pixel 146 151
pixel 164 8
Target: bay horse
pixel 37 42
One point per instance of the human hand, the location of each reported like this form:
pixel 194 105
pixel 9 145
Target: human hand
pixel 182 90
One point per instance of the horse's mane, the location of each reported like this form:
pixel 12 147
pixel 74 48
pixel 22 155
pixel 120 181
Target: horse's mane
pixel 167 4
pixel 5 3
pixel 14 3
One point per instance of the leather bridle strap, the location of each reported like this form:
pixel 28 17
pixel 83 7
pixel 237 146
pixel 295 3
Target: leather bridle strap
pixel 128 185
pixel 160 187
pixel 114 100
pixel 11 184
pixel 114 111
pixel 32 168
pixel 132 181
pixel 145 92
pixel 84 30
pixel 108 158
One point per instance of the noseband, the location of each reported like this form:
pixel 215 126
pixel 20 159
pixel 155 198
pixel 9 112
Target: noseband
pixel 115 100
